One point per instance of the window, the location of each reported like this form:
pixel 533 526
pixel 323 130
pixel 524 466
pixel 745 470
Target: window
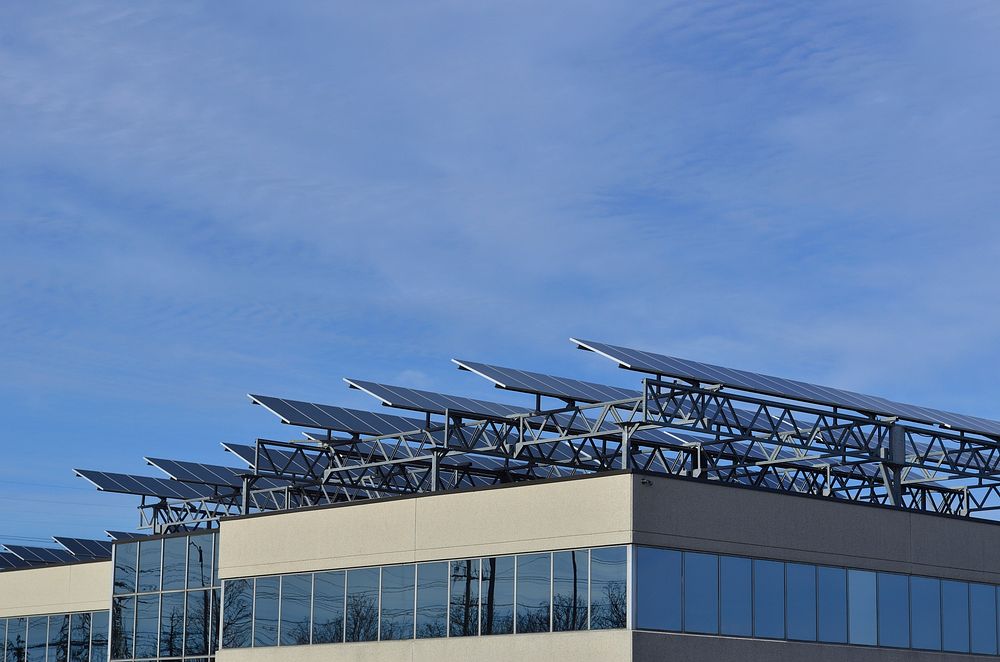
pixel 497 613
pixel 17 633
pixel 123 624
pixel 831 604
pixel 237 626
pixel 533 593
pixel 769 599
pixel 432 600
pixel 79 638
pixel 328 607
pixel 265 611
pixel 983 622
pixel 296 595
pixel 801 597
pixel 464 577
pixel 397 602
pixel 862 619
pixel 893 610
pixel 172 623
pixel 199 564
pixel 149 565
pixel 955 616
pixel 362 604
pixel 197 628
pixel 658 589
pixel 701 593
pixel 99 623
pixel 146 627
pixel 570 578
pixel 38 629
pixel 736 599
pixel 125 564
pixel 58 638
pixel 174 558
pixel 608 586
pixel 925 613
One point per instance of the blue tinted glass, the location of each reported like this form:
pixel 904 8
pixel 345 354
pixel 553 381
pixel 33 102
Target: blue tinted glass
pixel 801 598
pixel 122 627
pixel 265 611
pixel 497 612
pixel 147 630
pixel 237 616
pixel 17 633
pixel 174 557
pixel 432 600
pixel 362 604
pixel 172 624
pixel 608 588
pixel 925 612
pixel 38 630
pixel 983 624
pixel 58 638
pixel 328 607
pixel 197 622
pixel 570 578
pixel 862 619
pixel 769 599
pixel 125 564
pixel 831 604
pixel 397 602
pixel 893 610
pixel 658 589
pixel 701 592
pixel 199 553
pixel 149 565
pixel 296 596
pixel 955 616
pixel 464 577
pixel 533 593
pixel 99 622
pixel 736 591
pixel 79 638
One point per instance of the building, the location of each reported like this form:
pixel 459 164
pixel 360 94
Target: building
pixel 710 514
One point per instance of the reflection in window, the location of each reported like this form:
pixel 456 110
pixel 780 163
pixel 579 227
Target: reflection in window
pixel 328 607
pixel 497 613
pixel 123 625
pixel 955 616
pixel 296 594
pixel 432 600
pixel 658 589
pixel 736 591
pixel 146 627
pixel 925 613
pixel 769 599
pixel 893 611
pixel 701 593
pixel 58 638
pixel 198 610
pixel 570 577
pixel 801 597
pixel 362 604
pixel 831 607
pixel 396 604
pixel 983 624
pixel 174 556
pixel 237 626
pixel 38 628
pixel 464 608
pixel 862 621
pixel 265 612
pixel 533 593
pixel 608 587
pixel 172 624
pixel 99 623
pixel 199 553
pixel 125 564
pixel 17 633
pixel 149 565
pixel 79 638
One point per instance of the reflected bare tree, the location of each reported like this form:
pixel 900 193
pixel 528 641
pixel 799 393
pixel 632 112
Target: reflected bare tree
pixel 611 610
pixel 362 617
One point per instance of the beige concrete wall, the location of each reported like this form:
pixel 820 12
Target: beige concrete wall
pixel 530 517
pixel 599 646
pixel 59 589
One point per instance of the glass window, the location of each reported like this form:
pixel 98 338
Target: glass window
pixel 199 553
pixel 172 624
pixel 174 556
pixel 58 638
pixel 801 597
pixel 17 633
pixel 79 638
pixel 701 592
pixel 464 577
pixel 265 611
pixel 533 592
pixel 497 613
pixel 296 594
pixel 983 618
pixel 735 589
pixel 125 560
pixel 831 605
pixel 396 604
pixel 197 622
pixel 570 579
pixel 769 599
pixel 38 629
pixel 328 607
pixel 122 627
pixel 149 565
pixel 658 589
pixel 925 613
pixel 362 604
pixel 213 636
pixel 237 613
pixel 862 618
pixel 955 616
pixel 432 600
pixel 608 588
pixel 893 610
pixel 99 622
pixel 147 631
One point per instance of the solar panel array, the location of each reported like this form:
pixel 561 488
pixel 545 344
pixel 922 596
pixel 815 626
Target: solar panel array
pixel 338 419
pixel 563 388
pixel 82 548
pixel 145 485
pixel 9 561
pixel 210 474
pixel 41 555
pixel 434 403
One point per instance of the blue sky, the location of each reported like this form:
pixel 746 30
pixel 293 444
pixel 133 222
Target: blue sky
pixel 200 200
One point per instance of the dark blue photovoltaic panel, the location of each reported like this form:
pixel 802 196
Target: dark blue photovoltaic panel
pixel 144 485
pixel 119 536
pixel 564 388
pixel 273 458
pixel 434 403
pixel 659 364
pixel 339 419
pixel 36 555
pixel 210 474
pixel 86 549
pixel 10 561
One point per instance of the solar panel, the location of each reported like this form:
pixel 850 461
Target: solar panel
pixel 210 474
pixel 564 388
pixel 40 554
pixel 339 419
pixel 121 536
pixel 434 403
pixel 10 561
pixel 144 485
pixel 659 364
pixel 86 549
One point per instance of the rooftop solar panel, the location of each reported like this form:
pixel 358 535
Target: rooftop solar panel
pixel 144 485
pixel 563 388
pixel 210 474
pixel 121 536
pixel 10 561
pixel 434 403
pixel 40 554
pixel 339 419
pixel 659 364
pixel 86 549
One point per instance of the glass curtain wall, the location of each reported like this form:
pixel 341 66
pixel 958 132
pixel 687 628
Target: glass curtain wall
pixel 77 637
